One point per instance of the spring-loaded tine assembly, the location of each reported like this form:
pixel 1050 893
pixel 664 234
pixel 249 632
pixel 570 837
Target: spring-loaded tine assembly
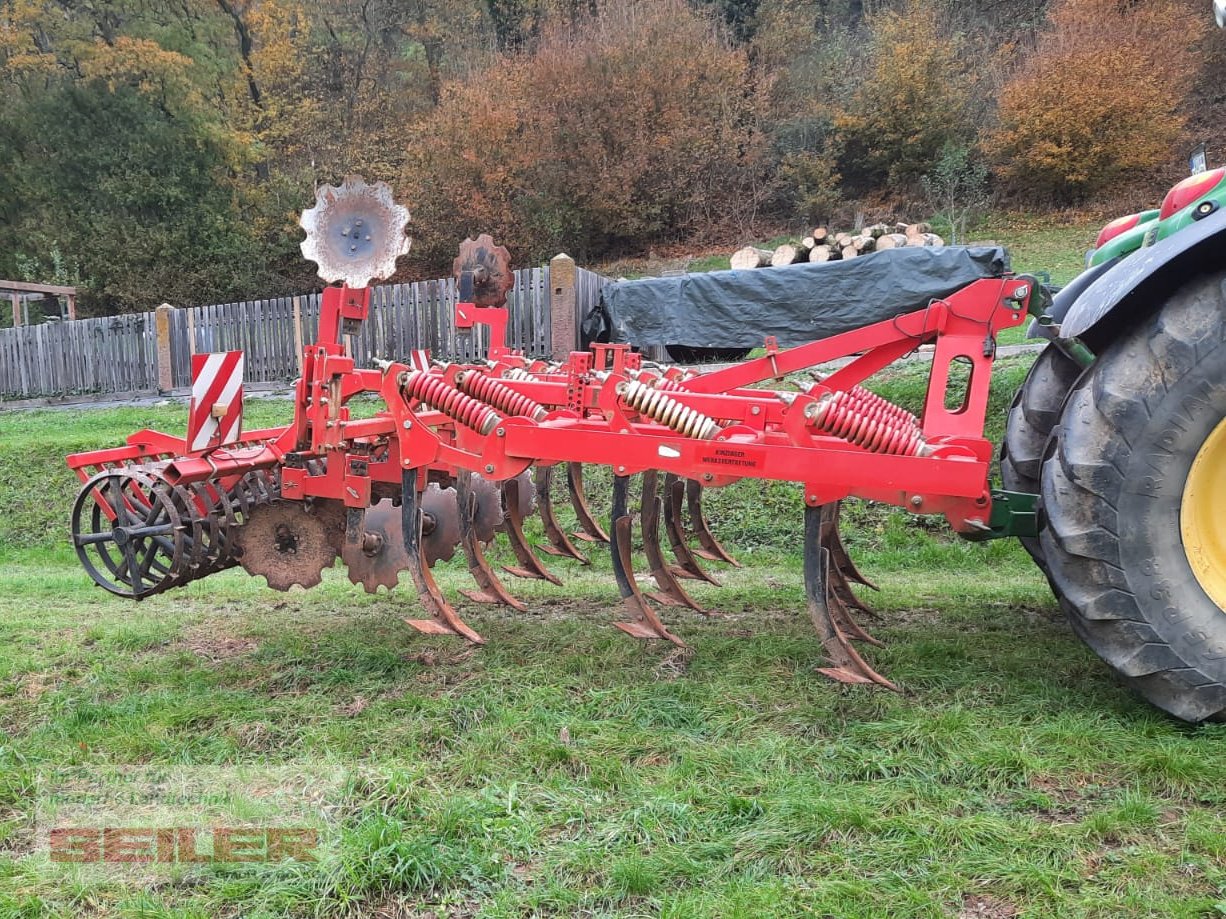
pixel 670 593
pixel 513 525
pixel 559 543
pixel 490 587
pixel 711 549
pixel 839 556
pixel 846 664
pixel 443 619
pixel 590 529
pixel 687 565
pixel 646 622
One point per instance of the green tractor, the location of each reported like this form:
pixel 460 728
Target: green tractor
pixel 1120 428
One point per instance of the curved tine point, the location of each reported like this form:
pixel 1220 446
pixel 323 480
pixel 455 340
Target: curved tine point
pixel 490 588
pixel 513 526
pixel 711 549
pixel 443 619
pixel 650 508
pixel 840 557
pixel 646 622
pixel 847 664
pixel 591 531
pixel 559 542
pixel 687 564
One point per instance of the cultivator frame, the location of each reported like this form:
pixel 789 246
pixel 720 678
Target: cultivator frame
pixel 154 514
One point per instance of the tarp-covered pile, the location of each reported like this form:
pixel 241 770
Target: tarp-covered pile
pixel 796 303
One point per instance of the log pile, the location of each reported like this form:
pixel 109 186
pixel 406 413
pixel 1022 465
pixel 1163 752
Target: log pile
pixel 826 245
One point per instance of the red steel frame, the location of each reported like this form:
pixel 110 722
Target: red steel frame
pixel 764 434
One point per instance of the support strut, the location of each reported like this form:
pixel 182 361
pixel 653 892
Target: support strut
pixel 646 622
pixel 443 619
pixel 847 666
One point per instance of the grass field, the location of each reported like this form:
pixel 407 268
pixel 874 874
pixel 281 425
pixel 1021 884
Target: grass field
pixel 566 770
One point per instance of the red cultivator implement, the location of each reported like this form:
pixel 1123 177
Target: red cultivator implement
pixel 461 452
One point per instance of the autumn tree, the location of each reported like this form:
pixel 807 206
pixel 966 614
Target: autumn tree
pixel 1100 99
pixel 913 100
pixel 627 129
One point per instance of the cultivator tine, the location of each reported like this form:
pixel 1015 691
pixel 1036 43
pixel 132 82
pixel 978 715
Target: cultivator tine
pixel 443 619
pixel 513 525
pixel 711 549
pixel 490 588
pixel 559 543
pixel 671 592
pixel 646 622
pixel 839 556
pixel 847 666
pixel 591 531
pixel 687 566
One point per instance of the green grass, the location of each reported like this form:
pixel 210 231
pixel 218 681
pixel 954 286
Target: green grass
pixel 566 770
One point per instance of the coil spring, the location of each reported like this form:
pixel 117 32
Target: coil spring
pixel 873 401
pixel 489 390
pixel 517 373
pixel 664 384
pixel 667 411
pixel 841 415
pixel 435 392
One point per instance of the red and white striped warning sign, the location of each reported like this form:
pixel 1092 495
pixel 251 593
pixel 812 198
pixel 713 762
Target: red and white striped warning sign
pixel 420 359
pixel 215 416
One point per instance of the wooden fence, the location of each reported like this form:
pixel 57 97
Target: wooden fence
pixel 119 355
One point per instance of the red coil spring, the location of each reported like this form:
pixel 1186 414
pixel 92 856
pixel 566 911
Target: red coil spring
pixel 484 387
pixel 664 384
pixel 840 414
pixel 435 392
pixel 872 400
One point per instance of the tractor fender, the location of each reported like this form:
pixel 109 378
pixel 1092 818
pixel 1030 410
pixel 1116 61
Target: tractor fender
pixel 1128 290
pixel 1064 298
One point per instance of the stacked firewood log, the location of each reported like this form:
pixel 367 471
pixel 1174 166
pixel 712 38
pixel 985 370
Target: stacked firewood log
pixel 825 245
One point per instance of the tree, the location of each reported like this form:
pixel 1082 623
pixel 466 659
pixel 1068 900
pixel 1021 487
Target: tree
pixel 1066 129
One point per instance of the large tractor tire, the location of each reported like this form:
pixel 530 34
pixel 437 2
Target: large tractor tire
pixel 1134 500
pixel 1032 417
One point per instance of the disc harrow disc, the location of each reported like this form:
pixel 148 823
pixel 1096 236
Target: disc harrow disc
pixel 377 559
pixel 487 516
pixel 490 268
pixel 440 524
pixel 355 232
pixel 287 544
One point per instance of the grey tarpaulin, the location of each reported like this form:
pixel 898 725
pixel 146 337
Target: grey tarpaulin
pixel 796 304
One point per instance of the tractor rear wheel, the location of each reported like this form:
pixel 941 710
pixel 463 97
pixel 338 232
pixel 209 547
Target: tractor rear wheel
pixel 1032 416
pixel 1134 503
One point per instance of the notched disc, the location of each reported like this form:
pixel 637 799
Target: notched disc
pixel 355 232
pixel 440 524
pixel 286 544
pixel 490 268
pixel 487 515
pixel 377 559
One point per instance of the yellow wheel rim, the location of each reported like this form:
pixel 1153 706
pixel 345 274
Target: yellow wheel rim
pixel 1202 517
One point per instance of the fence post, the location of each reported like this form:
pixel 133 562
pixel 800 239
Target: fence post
pixel 563 313
pixel 166 377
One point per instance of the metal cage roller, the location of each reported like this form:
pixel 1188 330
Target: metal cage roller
pixel 128 535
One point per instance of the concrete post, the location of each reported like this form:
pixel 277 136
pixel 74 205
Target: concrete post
pixel 563 311
pixel 166 376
